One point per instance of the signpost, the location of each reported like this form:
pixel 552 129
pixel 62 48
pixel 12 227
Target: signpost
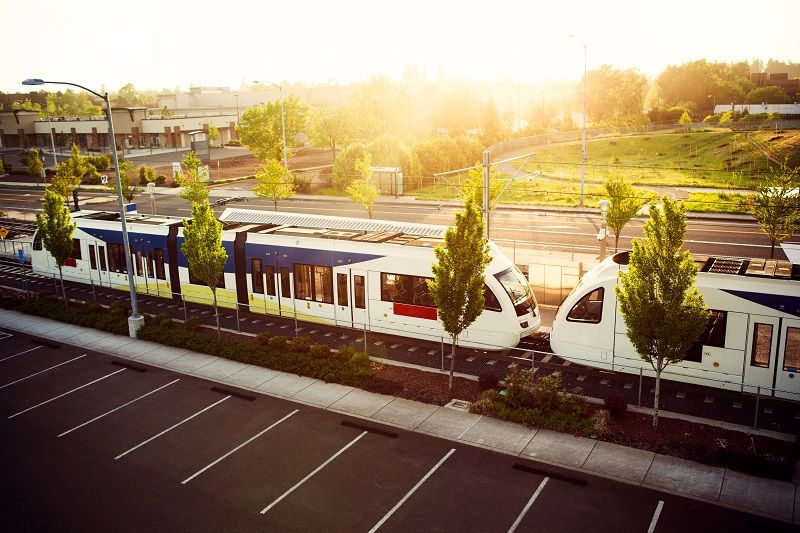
pixel 3 233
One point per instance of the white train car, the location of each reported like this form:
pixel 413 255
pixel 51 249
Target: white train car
pixel 364 274
pixel 752 339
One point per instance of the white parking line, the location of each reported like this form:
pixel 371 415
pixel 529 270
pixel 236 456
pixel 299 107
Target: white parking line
pixel 654 521
pixel 118 408
pixel 154 437
pixel 20 353
pixel 68 392
pixel 309 476
pixel 245 443
pixel 528 506
pixel 42 371
pixel 412 491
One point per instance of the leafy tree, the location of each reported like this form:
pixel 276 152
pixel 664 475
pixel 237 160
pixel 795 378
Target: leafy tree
pixel 492 128
pixel 389 151
pixel 127 184
pixel 165 112
pixel 70 103
pixel 770 95
pixel 472 188
pixel 274 182
pixel 194 190
pixel 147 174
pixel 685 120
pixel 70 173
pixel 260 128
pixel 457 286
pixel 663 311
pixel 344 169
pixel 363 191
pixel 213 133
pixel 27 105
pixel 128 96
pixel 623 205
pixel 776 205
pixel 614 94
pixel 202 247
pixel 691 83
pixel 55 229
pixel 379 106
pixel 33 163
pixel 331 127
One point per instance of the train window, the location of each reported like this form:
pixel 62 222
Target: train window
pixel 151 265
pixel 341 289
pixel 515 284
pixel 92 258
pixel 116 258
pixel 589 309
pixel 257 276
pixel 269 270
pixel 285 290
pixel 714 335
pixel 76 249
pixel 158 254
pixel 138 260
pixel 359 292
pixel 490 301
pixel 395 288
pixel 421 295
pixel 37 241
pixel 323 284
pixel 791 353
pixel 762 345
pixel 302 282
pixel 102 253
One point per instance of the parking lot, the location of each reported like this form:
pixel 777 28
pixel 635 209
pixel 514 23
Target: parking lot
pixel 93 442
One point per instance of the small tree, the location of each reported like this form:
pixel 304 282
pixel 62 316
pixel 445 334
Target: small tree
pixel 776 205
pixel 55 229
pixel 33 163
pixel 202 247
pixel 472 188
pixel 129 188
pixel 457 286
pixel 663 310
pixel 623 205
pixel 213 133
pixel 274 182
pixel 70 173
pixel 685 120
pixel 363 191
pixel 194 190
pixel 331 127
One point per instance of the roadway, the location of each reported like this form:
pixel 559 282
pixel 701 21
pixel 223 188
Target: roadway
pixel 93 442
pixel 564 231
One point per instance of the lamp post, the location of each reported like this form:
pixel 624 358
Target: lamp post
pixel 283 124
pixel 603 233
pixel 135 321
pixel 52 140
pixel 584 155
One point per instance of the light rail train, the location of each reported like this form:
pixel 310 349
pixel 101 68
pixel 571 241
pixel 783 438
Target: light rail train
pixel 363 274
pixel 752 339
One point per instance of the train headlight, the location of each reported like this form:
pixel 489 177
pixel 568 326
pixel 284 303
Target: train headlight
pixel 523 325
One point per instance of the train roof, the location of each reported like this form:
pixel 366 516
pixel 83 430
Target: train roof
pixel 737 266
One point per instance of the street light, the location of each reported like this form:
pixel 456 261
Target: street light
pixel 283 126
pixel 603 233
pixel 135 321
pixel 52 140
pixel 584 155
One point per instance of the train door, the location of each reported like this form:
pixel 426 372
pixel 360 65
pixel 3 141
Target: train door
pixel 139 265
pixel 271 298
pixel 360 298
pixel 285 292
pixel 787 376
pixel 761 352
pixel 343 310
pixel 97 263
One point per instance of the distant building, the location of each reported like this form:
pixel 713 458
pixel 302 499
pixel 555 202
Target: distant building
pixel 779 79
pixel 781 109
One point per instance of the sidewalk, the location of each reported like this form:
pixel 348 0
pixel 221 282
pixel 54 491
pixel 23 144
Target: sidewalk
pixel 771 498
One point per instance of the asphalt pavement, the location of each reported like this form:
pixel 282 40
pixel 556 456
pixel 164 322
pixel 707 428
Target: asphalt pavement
pixel 98 434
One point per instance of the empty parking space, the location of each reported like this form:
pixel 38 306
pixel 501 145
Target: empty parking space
pixel 100 443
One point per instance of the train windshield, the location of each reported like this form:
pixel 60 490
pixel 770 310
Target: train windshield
pixel 518 289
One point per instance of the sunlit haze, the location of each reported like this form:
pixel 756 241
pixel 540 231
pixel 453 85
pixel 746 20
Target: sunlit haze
pixel 168 44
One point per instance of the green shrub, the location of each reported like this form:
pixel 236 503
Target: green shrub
pixel 302 184
pixel 262 339
pixel 161 179
pixel 486 404
pixel 601 422
pixel 278 342
pixel 193 323
pixel 519 387
pixel 299 345
pixel 99 162
pixel 320 351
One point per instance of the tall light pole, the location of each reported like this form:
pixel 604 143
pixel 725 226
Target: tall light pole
pixel 135 321
pixel 283 124
pixel 52 140
pixel 584 155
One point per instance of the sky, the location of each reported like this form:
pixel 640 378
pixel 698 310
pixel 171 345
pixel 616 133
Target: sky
pixel 104 44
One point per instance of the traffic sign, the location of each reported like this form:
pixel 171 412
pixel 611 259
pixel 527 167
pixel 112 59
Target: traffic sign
pixel 21 256
pixel 3 233
pixel 104 180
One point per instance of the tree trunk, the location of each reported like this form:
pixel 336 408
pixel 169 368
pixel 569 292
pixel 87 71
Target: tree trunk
pixel 452 361
pixel 656 398
pixel 216 311
pixel 275 203
pixel 63 290
pixel 772 250
pixel 333 150
pixel 616 242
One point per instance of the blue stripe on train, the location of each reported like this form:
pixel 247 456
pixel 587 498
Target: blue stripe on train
pixel 779 302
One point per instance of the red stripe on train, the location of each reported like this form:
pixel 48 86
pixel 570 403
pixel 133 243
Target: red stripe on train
pixel 417 311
